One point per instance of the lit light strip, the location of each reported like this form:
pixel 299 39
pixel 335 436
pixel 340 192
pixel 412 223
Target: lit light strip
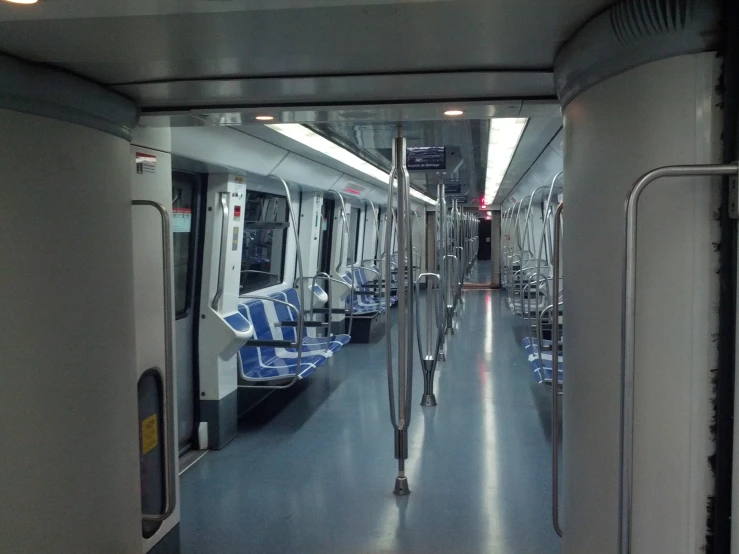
pixel 303 135
pixel 504 136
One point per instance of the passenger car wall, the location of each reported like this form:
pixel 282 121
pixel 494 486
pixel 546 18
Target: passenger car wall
pixel 658 114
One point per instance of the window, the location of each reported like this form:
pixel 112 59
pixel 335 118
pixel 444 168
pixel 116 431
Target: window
pixel 184 187
pixel 354 222
pixel 265 241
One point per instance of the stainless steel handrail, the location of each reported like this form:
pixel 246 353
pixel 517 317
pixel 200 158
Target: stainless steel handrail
pixel 555 370
pixel 342 258
pixel 434 306
pixel 224 248
pixel 168 402
pixel 325 277
pixel 400 418
pixel 296 235
pixel 628 326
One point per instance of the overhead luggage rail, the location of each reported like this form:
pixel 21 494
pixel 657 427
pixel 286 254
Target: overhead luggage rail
pixel 400 413
pixel 628 323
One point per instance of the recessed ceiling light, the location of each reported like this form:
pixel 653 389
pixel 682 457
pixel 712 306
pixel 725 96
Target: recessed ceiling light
pixel 453 113
pixel 22 1
pixel 264 118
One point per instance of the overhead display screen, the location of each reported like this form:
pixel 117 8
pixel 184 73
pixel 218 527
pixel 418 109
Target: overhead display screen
pixel 425 158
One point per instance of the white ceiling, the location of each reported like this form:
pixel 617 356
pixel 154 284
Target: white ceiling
pixel 201 52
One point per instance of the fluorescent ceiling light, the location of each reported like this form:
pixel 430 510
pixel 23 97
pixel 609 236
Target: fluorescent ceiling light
pixel 304 135
pixel 264 117
pixel 504 136
pixel 453 113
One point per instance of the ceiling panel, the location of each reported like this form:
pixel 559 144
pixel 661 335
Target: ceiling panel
pixel 222 44
pixel 539 133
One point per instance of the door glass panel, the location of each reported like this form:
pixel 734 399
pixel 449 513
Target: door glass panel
pixel 151 452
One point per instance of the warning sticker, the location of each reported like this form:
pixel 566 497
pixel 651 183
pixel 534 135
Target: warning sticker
pixel 145 163
pixel 237 213
pixel 149 434
pixel 181 220
pixel 235 241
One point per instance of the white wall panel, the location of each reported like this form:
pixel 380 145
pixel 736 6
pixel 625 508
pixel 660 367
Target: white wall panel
pixel 226 147
pixel 70 464
pixel 659 114
pixel 297 169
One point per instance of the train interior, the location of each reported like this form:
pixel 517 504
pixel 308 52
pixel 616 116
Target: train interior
pixel 301 269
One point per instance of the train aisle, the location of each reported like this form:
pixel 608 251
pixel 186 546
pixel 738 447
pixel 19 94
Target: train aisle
pixel 312 469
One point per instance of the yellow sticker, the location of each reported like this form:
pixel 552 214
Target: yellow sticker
pixel 149 434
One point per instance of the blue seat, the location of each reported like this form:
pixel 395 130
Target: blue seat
pixel 331 344
pixel 364 304
pixel 365 285
pixel 541 363
pixel 531 345
pixel 268 363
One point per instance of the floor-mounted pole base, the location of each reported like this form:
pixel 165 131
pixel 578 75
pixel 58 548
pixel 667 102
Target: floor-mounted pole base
pixel 428 400
pixel 401 487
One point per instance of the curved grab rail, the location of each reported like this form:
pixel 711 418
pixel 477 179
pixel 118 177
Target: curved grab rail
pixel 628 325
pixel 168 398
pixel 434 304
pixel 222 257
pixel 324 277
pixel 342 257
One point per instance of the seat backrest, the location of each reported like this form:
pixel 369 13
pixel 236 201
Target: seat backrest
pixel 360 276
pixel 285 313
pixel 254 311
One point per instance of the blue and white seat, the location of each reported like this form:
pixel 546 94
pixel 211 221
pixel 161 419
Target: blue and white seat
pixel 363 304
pixel 542 364
pixel 330 344
pixel 366 286
pixel 273 362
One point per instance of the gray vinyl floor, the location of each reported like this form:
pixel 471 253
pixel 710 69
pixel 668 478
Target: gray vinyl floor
pixel 312 469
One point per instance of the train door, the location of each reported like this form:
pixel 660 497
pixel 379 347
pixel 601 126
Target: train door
pixel 186 257
pixel 486 228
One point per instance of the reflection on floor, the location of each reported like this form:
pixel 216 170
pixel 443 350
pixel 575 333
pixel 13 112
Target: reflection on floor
pixel 312 469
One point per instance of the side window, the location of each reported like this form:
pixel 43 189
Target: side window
pixel 183 243
pixel 265 241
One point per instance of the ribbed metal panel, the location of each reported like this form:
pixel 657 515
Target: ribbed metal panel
pixel 632 33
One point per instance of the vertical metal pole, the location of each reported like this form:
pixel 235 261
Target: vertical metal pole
pixel 440 258
pixel 401 417
pixel 555 371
